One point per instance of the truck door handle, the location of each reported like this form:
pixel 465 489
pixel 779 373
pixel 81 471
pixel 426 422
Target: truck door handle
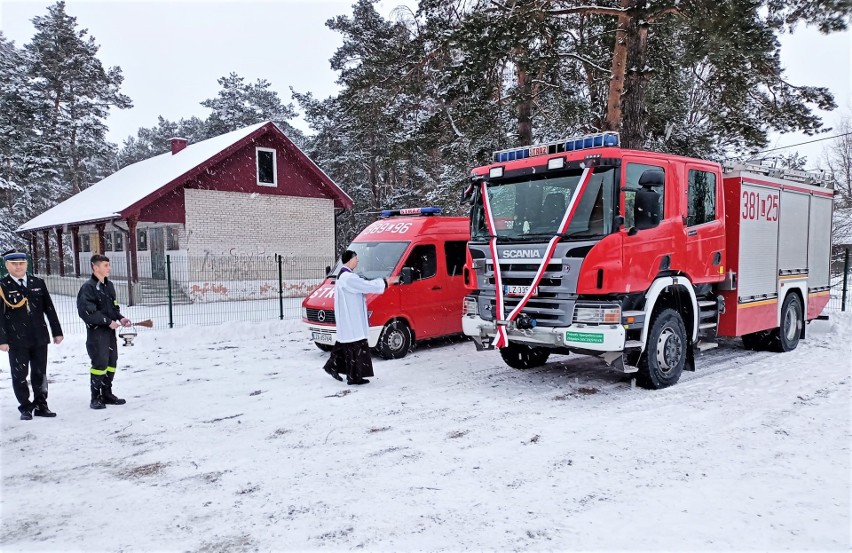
pixel 436 288
pixel 692 233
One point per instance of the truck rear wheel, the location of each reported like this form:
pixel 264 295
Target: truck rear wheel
pixel 521 356
pixel 665 355
pixel 786 337
pixel 395 340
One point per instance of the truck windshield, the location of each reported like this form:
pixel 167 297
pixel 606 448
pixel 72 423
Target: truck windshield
pixel 531 209
pixel 375 259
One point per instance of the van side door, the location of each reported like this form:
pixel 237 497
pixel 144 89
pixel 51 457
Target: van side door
pixel 422 300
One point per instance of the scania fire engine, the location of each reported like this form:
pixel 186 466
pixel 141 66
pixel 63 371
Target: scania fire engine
pixel 641 258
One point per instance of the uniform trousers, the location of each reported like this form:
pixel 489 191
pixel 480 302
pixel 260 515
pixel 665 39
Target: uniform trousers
pixel 32 360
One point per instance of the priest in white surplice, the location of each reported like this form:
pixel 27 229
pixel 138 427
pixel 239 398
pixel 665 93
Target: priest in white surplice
pixel 351 353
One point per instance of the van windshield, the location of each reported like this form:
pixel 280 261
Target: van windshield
pixel 375 259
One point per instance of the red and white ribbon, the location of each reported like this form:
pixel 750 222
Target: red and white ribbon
pixel 502 338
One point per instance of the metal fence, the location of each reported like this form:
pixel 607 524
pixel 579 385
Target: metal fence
pixel 204 290
pixel 210 290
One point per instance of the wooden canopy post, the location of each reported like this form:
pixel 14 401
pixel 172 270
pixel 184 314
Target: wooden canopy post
pixel 60 252
pixel 75 247
pixel 101 242
pixel 46 234
pixel 131 246
pixel 34 251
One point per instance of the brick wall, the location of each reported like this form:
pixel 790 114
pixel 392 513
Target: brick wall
pixel 233 223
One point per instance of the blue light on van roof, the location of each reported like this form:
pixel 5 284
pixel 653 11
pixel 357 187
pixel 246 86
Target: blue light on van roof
pixel 597 140
pixel 410 211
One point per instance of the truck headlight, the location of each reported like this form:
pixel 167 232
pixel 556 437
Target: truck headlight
pixel 305 313
pixel 603 314
pixel 469 307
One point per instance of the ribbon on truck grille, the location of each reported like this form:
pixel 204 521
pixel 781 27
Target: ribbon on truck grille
pixel 502 339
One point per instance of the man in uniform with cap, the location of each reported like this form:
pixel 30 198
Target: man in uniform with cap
pixel 23 333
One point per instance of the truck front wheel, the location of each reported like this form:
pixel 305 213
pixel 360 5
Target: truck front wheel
pixel 520 356
pixel 395 340
pixel 665 355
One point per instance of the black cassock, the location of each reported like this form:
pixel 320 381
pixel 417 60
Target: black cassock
pixel 352 359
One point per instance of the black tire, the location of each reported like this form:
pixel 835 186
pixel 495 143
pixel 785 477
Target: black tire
pixel 665 356
pixel 520 356
pixel 395 341
pixel 786 337
pixel 324 347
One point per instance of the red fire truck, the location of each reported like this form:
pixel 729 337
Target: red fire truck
pixel 640 258
pixel 428 252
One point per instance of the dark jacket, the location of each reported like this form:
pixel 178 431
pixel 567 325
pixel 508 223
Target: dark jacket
pixel 22 327
pixel 96 303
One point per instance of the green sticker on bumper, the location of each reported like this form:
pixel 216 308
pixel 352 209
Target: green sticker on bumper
pixel 584 338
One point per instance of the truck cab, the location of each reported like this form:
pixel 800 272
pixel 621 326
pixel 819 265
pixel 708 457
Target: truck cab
pixel 428 252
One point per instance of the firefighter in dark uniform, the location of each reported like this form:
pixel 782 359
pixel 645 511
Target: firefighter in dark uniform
pixel 23 333
pixel 97 306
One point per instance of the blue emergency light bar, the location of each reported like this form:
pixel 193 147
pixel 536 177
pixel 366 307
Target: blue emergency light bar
pixel 598 140
pixel 410 211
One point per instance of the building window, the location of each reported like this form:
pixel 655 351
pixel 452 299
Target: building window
pixel 172 238
pixel 702 197
pixel 85 243
pixel 267 174
pixel 108 242
pixel 118 241
pixel 142 240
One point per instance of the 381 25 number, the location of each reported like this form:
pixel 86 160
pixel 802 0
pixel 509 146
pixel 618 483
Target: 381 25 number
pixel 759 207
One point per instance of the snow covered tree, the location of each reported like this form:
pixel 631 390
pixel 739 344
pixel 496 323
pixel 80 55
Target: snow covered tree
pixel 75 93
pixel 153 141
pixel 837 160
pixel 239 105
pixel 17 133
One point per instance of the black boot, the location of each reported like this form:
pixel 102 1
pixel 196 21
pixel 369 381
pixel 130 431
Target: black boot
pixel 106 392
pixel 97 382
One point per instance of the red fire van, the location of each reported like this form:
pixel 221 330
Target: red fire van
pixel 428 252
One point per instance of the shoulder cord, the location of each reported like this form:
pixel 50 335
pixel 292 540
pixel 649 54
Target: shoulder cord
pixel 14 305
pixel 502 336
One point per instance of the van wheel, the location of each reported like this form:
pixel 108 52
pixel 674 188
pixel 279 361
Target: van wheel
pixel 520 356
pixel 395 340
pixel 786 337
pixel 665 356
pixel 324 347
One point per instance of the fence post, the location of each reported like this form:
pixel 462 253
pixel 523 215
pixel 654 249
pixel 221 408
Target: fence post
pixel 845 280
pixel 280 289
pixel 169 285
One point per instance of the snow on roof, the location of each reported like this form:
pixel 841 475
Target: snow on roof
pixel 107 198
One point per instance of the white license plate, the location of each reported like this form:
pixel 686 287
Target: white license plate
pixel 322 337
pixel 520 290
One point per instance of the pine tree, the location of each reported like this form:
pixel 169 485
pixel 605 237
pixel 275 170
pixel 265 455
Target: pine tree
pixel 239 105
pixel 75 93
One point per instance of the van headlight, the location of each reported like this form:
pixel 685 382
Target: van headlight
pixel 469 307
pixel 601 314
pixel 305 313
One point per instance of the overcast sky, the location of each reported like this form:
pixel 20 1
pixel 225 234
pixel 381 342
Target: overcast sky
pixel 171 53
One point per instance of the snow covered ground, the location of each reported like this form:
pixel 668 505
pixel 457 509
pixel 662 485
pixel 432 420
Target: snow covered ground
pixel 234 439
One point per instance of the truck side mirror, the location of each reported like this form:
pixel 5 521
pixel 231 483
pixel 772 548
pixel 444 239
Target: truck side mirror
pixel 327 270
pixel 405 276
